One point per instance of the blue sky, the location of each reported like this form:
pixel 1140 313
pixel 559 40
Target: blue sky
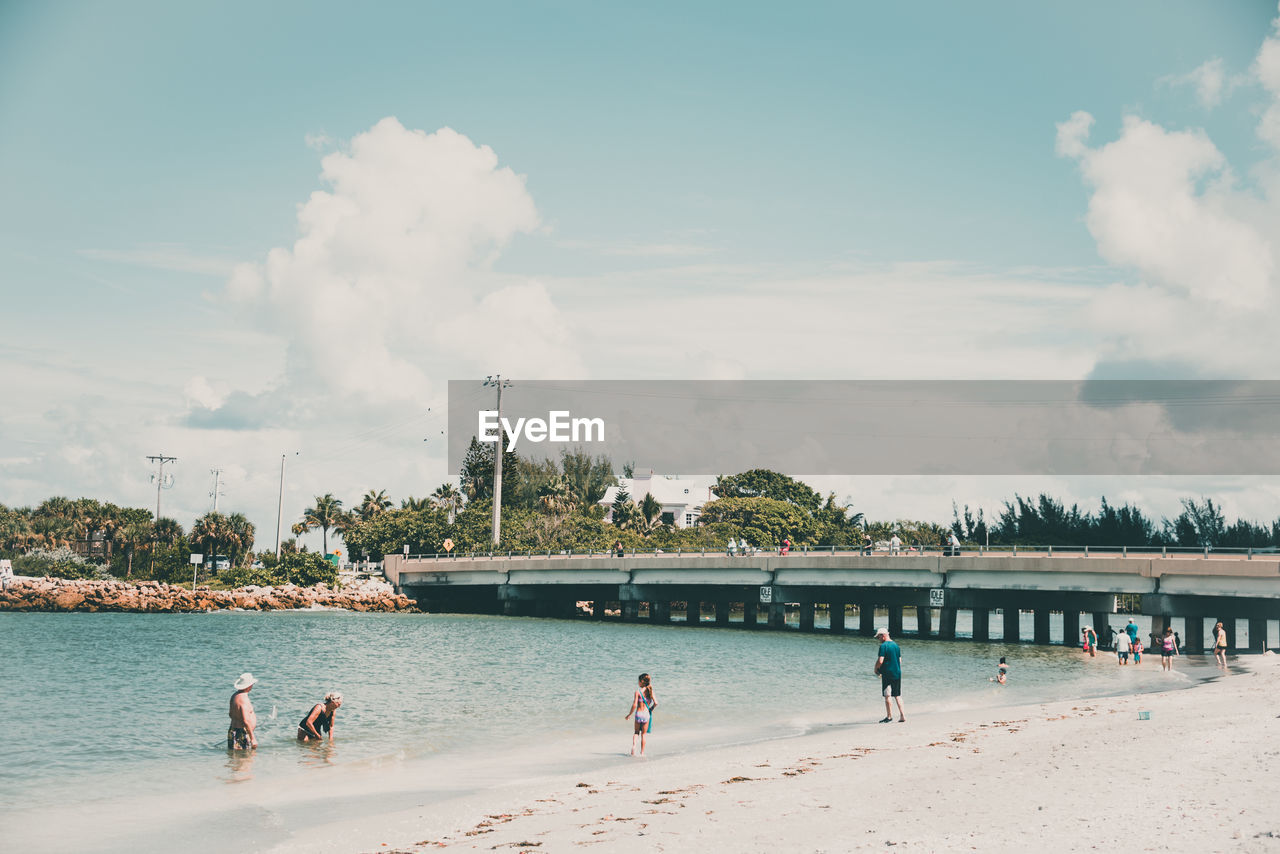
pixel 693 166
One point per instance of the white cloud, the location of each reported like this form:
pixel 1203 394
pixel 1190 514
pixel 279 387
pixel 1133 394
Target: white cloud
pixel 165 256
pixel 1210 82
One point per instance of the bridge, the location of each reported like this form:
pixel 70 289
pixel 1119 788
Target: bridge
pixel 1194 588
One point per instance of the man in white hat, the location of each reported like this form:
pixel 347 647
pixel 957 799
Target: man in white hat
pixel 243 720
pixel 889 669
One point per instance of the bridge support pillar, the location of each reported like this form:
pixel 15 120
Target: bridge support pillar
pixel 750 610
pixel 1102 625
pixel 693 612
pixel 1193 635
pixel 722 612
pixel 866 618
pixel 895 621
pixel 947 624
pixel 836 610
pixel 1257 634
pixel 806 616
pixel 924 622
pixel 660 611
pixel 777 615
pixel 1042 626
pixel 1070 627
pixel 630 611
pixel 981 624
pixel 1012 625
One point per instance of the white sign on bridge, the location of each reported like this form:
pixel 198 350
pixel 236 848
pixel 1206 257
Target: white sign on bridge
pixel 937 596
pixel 766 595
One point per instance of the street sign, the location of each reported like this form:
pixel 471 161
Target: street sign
pixel 937 596
pixel 766 595
pixel 195 558
pixel 448 544
pixel 406 549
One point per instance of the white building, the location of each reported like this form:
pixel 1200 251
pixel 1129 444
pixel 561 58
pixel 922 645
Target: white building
pixel 681 497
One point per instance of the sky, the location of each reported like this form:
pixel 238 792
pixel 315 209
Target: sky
pixel 237 232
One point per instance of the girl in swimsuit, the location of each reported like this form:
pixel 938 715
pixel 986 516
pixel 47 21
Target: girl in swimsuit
pixel 320 718
pixel 1168 647
pixel 643 702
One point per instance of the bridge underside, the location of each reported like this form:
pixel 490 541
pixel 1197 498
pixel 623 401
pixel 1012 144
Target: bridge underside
pixel 1056 615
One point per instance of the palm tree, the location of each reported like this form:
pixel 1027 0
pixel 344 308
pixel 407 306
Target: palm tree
pixel 650 514
pixel 556 498
pixel 241 532
pixel 133 533
pixel 211 531
pixel 373 505
pixel 327 515
pixel 167 531
pixel 415 504
pixel 448 498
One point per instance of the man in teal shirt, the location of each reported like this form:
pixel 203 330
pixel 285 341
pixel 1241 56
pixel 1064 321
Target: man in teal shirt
pixel 889 669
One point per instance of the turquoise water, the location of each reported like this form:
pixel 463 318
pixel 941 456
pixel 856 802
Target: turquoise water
pixel 118 721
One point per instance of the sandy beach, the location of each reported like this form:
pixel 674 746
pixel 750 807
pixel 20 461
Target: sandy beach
pixel 1198 774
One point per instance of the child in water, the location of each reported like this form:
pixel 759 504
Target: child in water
pixel 1002 672
pixel 1137 651
pixel 643 702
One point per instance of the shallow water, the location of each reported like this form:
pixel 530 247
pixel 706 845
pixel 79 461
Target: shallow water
pixel 120 719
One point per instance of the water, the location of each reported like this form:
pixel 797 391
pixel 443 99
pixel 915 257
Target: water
pixel 117 722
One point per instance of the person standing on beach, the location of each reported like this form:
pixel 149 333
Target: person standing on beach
pixel 243 720
pixel 889 669
pixel 1168 649
pixel 1220 645
pixel 643 702
pixel 1123 646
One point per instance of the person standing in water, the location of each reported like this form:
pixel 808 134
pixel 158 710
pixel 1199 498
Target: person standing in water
pixel 243 719
pixel 320 718
pixel 1002 671
pixel 643 702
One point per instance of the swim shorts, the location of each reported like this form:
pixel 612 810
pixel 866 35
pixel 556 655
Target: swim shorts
pixel 238 738
pixel 891 687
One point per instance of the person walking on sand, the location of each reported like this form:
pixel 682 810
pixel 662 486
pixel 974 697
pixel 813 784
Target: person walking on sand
pixel 320 719
pixel 889 669
pixel 1123 647
pixel 643 702
pixel 1220 645
pixel 243 720
pixel 1168 649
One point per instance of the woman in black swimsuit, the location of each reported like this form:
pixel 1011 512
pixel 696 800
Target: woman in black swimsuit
pixel 320 718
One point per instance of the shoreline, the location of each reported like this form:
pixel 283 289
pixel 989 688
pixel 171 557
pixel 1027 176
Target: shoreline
pixel 60 595
pixel 1085 772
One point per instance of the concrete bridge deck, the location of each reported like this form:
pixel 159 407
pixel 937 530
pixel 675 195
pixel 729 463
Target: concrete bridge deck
pixel 1193 587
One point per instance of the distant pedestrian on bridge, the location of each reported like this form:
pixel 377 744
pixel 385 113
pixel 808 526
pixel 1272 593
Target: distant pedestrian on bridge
pixel 895 545
pixel 732 548
pixel 786 546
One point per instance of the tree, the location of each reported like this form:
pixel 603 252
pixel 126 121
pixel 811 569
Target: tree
pixel 327 515
pixel 587 477
pixel 448 498
pixel 373 505
pixel 211 532
pixel 240 541
pixel 765 522
pixel 762 483
pixel 477 471
pixel 412 503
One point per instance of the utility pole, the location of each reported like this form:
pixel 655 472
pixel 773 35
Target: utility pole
pixel 160 460
pixel 217 476
pixel 280 508
pixel 496 381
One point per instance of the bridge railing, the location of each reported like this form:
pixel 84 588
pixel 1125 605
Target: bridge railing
pixel 965 550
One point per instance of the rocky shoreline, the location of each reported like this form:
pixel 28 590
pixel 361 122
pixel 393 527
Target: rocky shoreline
pixel 60 594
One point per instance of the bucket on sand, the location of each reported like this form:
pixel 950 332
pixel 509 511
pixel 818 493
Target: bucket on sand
pixel 1144 716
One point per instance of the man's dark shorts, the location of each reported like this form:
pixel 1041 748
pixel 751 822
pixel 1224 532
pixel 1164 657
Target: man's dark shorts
pixel 238 738
pixel 890 687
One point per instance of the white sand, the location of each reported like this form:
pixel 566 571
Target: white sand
pixel 1200 775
